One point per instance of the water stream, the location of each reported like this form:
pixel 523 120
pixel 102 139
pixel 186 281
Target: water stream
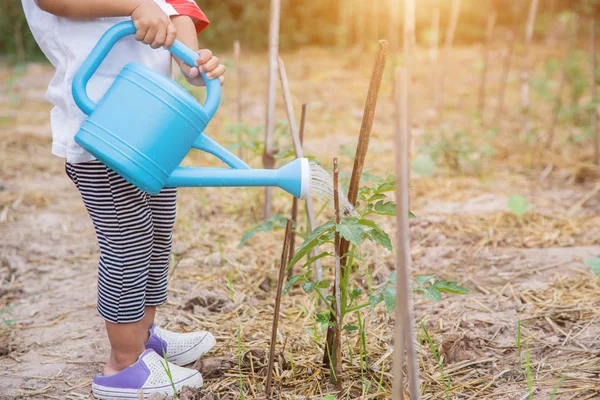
pixel 321 186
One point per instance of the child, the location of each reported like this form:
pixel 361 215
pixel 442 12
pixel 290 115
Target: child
pixel 134 229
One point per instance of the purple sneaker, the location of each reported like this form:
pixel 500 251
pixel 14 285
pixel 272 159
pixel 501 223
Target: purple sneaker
pixel 180 348
pixel 144 378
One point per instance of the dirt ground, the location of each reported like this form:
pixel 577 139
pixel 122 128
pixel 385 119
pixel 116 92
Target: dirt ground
pixel 531 270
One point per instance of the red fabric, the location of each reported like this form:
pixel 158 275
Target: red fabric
pixel 191 9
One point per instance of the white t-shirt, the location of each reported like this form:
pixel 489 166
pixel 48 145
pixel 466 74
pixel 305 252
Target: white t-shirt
pixel 66 43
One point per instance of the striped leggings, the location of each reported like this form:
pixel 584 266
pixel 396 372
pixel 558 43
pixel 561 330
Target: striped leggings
pixel 134 231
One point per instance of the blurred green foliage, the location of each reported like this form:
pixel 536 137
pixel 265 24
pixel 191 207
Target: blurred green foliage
pixel 323 22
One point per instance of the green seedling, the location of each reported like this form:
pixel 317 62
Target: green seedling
pixel 518 205
pixel 438 358
pixel 557 386
pixel 594 264
pixel 167 369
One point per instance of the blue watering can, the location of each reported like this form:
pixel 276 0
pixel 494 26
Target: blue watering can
pixel 146 123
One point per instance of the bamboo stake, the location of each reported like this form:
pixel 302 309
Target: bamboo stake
pixel 375 20
pixel 570 42
pixel 435 58
pixel 282 266
pixel 295 200
pixel 359 158
pixel 394 33
pixel 367 121
pixel 489 31
pixel 409 54
pixel 287 97
pixel 404 337
pixel 527 65
pixel 337 349
pixel 237 56
pixel 505 73
pixel 268 159
pixel 456 4
pixel 594 68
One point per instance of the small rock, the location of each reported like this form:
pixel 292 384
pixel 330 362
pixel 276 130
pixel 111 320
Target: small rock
pixel 157 396
pixel 188 394
pixel 211 367
pixel 265 286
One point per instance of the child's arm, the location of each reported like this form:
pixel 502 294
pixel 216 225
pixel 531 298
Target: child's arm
pixel 153 26
pixel 186 33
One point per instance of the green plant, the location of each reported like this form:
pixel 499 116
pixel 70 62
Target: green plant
pixel 557 386
pixel 433 288
pixel 167 369
pixel 438 359
pixel 594 264
pixel 458 150
pixel 518 205
pixel 372 202
pixel 276 221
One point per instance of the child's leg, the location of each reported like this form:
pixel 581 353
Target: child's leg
pixel 125 231
pixel 164 207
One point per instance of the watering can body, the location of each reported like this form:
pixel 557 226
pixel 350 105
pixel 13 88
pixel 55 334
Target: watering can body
pixel 145 125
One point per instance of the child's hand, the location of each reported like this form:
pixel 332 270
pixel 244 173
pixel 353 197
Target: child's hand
pixel 154 27
pixel 208 64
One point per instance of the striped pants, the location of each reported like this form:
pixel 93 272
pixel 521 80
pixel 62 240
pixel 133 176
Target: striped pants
pixel 134 231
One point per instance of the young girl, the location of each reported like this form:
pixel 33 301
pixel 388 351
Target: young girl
pixel 134 229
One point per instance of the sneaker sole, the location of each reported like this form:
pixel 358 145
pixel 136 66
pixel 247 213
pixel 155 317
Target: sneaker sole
pixel 109 393
pixel 193 354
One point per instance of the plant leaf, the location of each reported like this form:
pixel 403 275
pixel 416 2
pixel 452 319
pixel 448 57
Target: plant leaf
pixel 422 279
pixel 308 286
pixel 317 257
pixel 323 318
pixel 387 208
pixel 323 285
pixel 518 205
pixel 411 215
pixel 374 300
pixel 310 242
pixel 389 297
pixel 291 282
pixel 450 287
pixel 351 230
pixel 432 293
pixel 378 196
pixel 424 165
pixel 355 293
pixel 379 236
pixel 350 328
pixel 594 263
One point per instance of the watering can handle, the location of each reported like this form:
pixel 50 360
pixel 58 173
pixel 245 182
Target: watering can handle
pixel 106 43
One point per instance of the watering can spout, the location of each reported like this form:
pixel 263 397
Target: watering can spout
pixel 294 177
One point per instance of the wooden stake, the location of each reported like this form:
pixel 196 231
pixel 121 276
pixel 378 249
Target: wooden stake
pixel 594 69
pixel 236 56
pixel 359 158
pixel 394 33
pixel 489 31
pixel 570 42
pixel 448 48
pixel 295 200
pixel 337 348
pixel 527 66
pixel 367 121
pixel 268 159
pixel 505 74
pixel 404 337
pixel 409 51
pixel 282 266
pixel 435 58
pixel 287 97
